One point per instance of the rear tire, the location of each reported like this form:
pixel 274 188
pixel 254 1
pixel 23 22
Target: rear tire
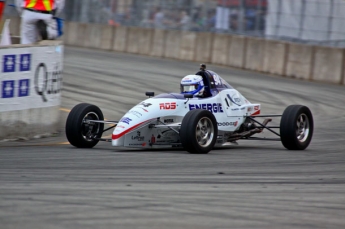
pixel 79 133
pixel 198 131
pixel 296 127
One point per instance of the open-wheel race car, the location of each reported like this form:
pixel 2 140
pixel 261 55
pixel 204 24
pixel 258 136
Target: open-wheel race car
pixel 206 113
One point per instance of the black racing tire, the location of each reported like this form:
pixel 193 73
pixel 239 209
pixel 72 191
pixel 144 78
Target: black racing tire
pixel 198 132
pixel 296 127
pixel 79 133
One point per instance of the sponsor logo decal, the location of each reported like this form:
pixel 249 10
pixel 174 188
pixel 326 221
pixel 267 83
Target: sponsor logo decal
pixel 47 82
pixel 8 89
pixel 153 140
pixel 212 107
pixel 145 104
pixel 23 89
pixel 25 60
pixel 234 100
pixel 135 113
pixel 139 138
pixel 236 109
pixel 228 123
pixel 167 106
pixel 256 108
pixel 126 120
pixel 119 126
pixel 135 144
pixel 9 63
pixel 169 120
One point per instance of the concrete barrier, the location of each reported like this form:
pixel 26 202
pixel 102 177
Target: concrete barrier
pixel 203 49
pixel 158 43
pixel 30 89
pixel 81 31
pixel 28 124
pixel 133 37
pixel 187 47
pixel 286 59
pixel 107 37
pixel 219 49
pixel 145 41
pixel 92 36
pixel 172 44
pixel 67 37
pixel 237 50
pixel 72 31
pixel 255 54
pixel 328 65
pixel 275 53
pixel 299 61
pixel 120 39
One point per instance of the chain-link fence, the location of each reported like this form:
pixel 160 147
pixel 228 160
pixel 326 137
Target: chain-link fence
pixel 311 21
pixel 235 16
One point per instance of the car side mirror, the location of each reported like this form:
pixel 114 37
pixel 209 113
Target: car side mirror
pixel 150 94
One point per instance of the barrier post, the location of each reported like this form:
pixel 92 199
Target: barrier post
pixel 203 47
pixel 328 64
pixel 220 49
pixel 237 51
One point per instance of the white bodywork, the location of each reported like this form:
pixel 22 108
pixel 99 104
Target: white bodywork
pixel 155 122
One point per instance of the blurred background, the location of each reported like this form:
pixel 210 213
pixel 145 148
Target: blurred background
pixel 318 22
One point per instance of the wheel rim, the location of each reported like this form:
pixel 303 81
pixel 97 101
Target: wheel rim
pixel 303 127
pixel 204 132
pixel 90 130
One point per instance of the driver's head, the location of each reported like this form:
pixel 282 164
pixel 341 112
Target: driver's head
pixel 192 84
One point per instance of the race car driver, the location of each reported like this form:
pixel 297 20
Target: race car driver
pixel 193 84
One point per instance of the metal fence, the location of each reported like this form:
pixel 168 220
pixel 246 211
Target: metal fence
pixel 311 21
pixel 194 15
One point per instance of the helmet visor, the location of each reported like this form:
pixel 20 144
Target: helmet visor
pixel 189 88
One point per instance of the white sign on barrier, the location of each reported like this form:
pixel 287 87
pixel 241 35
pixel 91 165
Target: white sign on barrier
pixel 30 77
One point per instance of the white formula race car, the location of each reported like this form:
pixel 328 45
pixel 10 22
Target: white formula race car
pixel 196 124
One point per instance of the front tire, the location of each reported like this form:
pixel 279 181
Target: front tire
pixel 296 127
pixel 198 131
pixel 79 132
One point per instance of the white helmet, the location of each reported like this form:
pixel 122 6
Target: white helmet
pixel 192 84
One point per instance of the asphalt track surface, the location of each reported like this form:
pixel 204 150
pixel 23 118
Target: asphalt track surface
pixel 47 183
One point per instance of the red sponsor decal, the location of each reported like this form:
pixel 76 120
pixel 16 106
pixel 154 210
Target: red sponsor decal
pixel 167 106
pixel 117 136
pixel 256 112
pixel 256 108
pixel 144 109
pixel 153 139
